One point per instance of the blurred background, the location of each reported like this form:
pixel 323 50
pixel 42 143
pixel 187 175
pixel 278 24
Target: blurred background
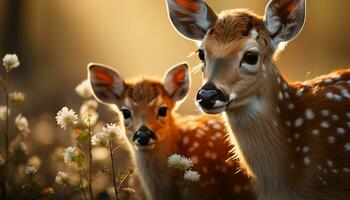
pixel 56 39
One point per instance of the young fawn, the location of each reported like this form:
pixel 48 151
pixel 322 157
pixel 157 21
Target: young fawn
pixel 155 132
pixel 292 138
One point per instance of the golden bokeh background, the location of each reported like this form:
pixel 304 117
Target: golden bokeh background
pixel 56 39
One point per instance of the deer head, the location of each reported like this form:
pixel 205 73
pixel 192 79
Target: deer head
pixel 237 47
pixel 146 105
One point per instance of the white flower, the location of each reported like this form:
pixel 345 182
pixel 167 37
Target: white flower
pixel 66 118
pixel 109 132
pixel 84 89
pixel 89 109
pixel 17 97
pixel 22 124
pixel 174 160
pixel 99 138
pixel 30 170
pixel 3 112
pixel 69 154
pixel 191 175
pixel 62 178
pixel 10 61
pixel 179 162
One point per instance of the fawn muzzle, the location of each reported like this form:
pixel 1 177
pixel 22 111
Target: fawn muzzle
pixel 144 136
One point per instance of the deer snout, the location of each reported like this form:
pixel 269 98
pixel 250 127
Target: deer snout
pixel 144 136
pixel 211 99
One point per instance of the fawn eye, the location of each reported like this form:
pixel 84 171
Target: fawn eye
pixel 126 113
pixel 162 112
pixel 250 58
pixel 201 55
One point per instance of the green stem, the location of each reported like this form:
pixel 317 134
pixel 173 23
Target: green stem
pixel 113 172
pixel 82 184
pixel 90 162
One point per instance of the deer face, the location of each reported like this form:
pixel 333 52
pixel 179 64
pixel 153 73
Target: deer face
pixel 236 47
pixel 146 105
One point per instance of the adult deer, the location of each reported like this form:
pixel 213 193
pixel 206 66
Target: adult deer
pixel 293 138
pixel 155 132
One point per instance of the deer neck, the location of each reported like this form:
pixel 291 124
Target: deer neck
pixel 156 176
pixel 260 133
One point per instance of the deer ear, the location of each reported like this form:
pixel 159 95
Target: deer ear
pixel 177 81
pixel 284 19
pixel 106 83
pixel 191 18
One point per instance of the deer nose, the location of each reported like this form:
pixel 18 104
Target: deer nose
pixel 144 136
pixel 206 98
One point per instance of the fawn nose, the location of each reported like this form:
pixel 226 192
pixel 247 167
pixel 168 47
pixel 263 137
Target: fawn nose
pixel 144 136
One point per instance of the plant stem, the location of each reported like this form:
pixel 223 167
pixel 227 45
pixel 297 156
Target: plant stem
pixel 5 87
pixel 82 184
pixel 113 172
pixel 31 187
pixel 90 162
pixel 6 90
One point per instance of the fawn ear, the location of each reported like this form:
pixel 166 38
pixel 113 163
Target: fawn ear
pixel 107 85
pixel 284 19
pixel 176 81
pixel 191 18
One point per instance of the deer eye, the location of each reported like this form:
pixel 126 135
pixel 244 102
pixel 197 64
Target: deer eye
pixel 201 55
pixel 250 58
pixel 126 113
pixel 162 112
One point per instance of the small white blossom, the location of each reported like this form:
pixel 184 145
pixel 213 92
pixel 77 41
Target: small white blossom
pixel 30 170
pixel 17 97
pixel 66 118
pixel 62 178
pixel 69 154
pixel 84 89
pixel 191 175
pixel 22 124
pixel 10 61
pixel 99 138
pixel 109 132
pixel 3 113
pixel 179 162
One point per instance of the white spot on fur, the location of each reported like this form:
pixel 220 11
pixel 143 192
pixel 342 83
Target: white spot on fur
pixel 307 160
pixel 347 146
pixel 337 97
pixel 299 93
pixel 335 117
pixel 330 163
pixel 325 124
pixel 291 106
pixel 306 149
pixel 340 131
pixel 280 96
pixel 316 132
pixel 325 113
pixel 331 140
pixel 298 122
pixel 309 114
